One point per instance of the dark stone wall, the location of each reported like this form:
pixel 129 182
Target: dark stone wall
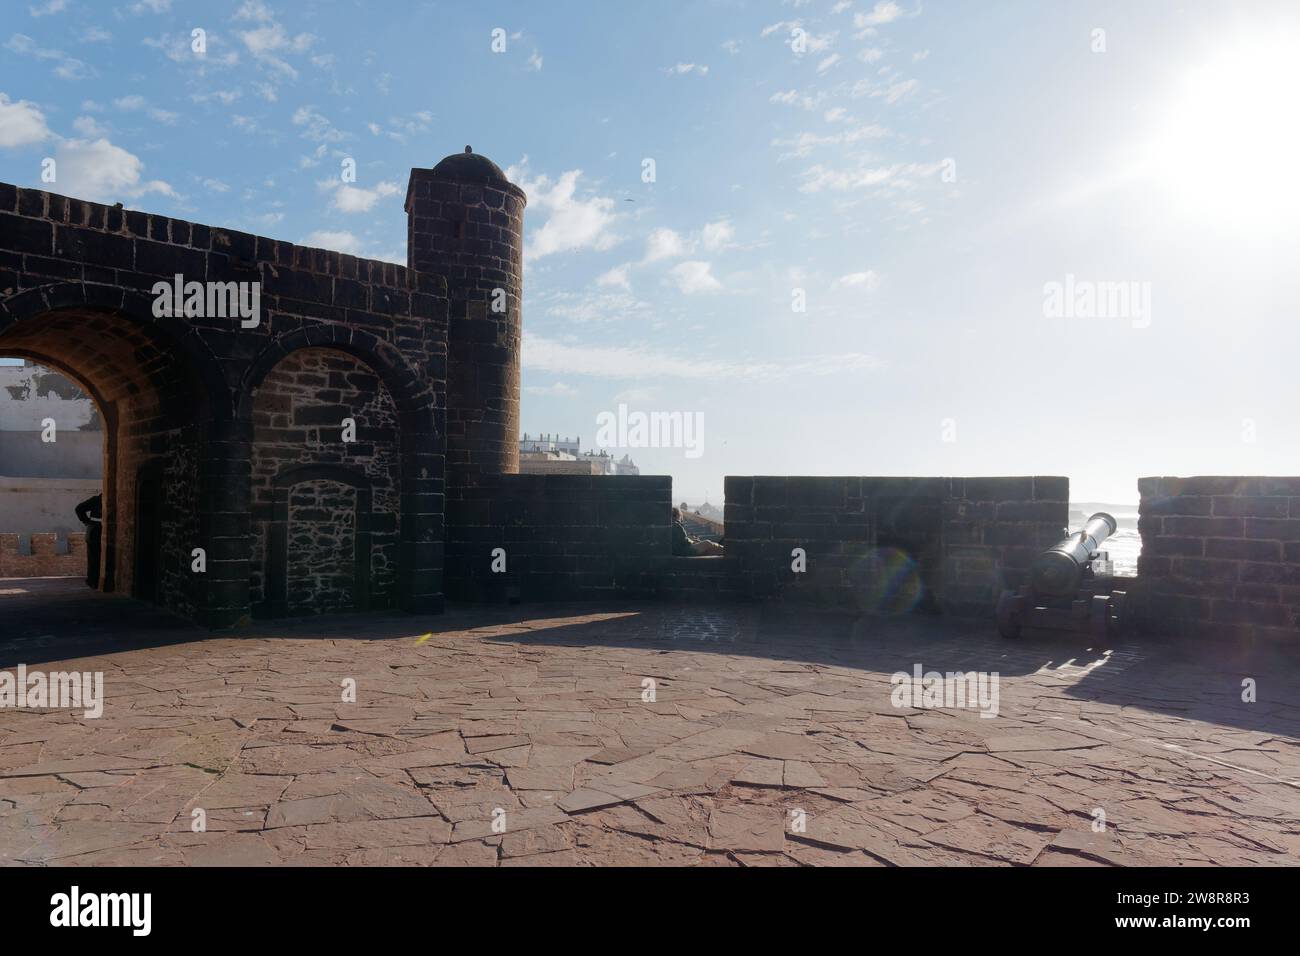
pixel 298 414
pixel 322 571
pixel 1220 556
pixel 890 545
pixel 466 222
pixel 565 536
pixel 176 394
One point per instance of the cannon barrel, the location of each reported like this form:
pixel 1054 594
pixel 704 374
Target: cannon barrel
pixel 1058 571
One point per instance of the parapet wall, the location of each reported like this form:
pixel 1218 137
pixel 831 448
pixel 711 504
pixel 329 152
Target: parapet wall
pixel 38 556
pixel 885 545
pixel 563 536
pixel 1221 556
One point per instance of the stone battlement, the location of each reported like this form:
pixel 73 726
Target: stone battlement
pixel 40 555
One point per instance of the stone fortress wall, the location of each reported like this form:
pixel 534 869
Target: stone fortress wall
pixel 357 446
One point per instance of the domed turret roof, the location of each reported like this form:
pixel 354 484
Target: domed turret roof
pixel 470 166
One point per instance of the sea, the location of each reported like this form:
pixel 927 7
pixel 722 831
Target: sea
pixel 1125 544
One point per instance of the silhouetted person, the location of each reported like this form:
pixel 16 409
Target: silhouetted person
pixel 686 546
pixel 91 513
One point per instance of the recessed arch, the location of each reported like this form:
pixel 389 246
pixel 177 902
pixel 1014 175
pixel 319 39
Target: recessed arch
pixel 411 392
pixel 277 601
pixel 417 563
pixel 322 415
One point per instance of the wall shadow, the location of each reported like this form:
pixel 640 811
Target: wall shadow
pixel 57 620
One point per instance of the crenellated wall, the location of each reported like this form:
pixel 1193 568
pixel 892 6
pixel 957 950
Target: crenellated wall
pixel 41 557
pixel 1221 556
pixel 889 545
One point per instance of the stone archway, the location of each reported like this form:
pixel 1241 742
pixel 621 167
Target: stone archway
pixel 161 395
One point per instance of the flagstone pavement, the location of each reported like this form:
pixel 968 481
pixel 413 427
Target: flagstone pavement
pixel 637 734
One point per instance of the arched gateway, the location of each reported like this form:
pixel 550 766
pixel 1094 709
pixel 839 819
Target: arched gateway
pixel 260 396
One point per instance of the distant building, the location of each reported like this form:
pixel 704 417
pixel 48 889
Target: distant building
pixel 552 455
pixel 41 481
pixel 550 443
pixel 555 463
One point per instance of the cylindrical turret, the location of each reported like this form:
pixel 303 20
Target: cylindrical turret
pixel 1057 571
pixel 466 222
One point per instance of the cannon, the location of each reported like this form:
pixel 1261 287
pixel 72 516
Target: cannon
pixel 1071 587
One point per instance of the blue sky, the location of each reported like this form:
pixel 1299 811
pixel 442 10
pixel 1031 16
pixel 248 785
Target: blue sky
pixel 921 173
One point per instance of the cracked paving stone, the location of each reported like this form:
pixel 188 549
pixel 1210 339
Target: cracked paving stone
pixel 535 711
pixel 756 829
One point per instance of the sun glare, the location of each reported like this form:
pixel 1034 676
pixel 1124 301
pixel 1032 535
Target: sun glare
pixel 1226 148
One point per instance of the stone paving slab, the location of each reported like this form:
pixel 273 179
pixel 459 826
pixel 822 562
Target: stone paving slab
pixel 521 736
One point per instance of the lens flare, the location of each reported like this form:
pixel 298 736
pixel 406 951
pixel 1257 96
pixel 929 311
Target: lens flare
pixel 890 582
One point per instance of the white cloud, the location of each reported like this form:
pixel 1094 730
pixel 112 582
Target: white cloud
pixel 150 6
pixel 253 10
pixel 815 43
pixel 559 388
pixel 598 307
pixel 69 67
pixel 88 127
pixel 571 223
pixel 350 199
pixel 136 103
pixel 716 235
pixel 682 68
pixel 535 61
pixel 805 143
pixel 829 62
pixel 896 91
pixel 868 280
pixel 316 126
pixel 99 171
pixel 818 177
pixel 269 40
pixel 21 123
pixel 615 277
pixel 339 240
pixel 795 98
pixel 631 362
pixel 884 12
pixel 871 54
pixel 779 25
pixel 694 277
pixel 45 9
pixel 664 243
